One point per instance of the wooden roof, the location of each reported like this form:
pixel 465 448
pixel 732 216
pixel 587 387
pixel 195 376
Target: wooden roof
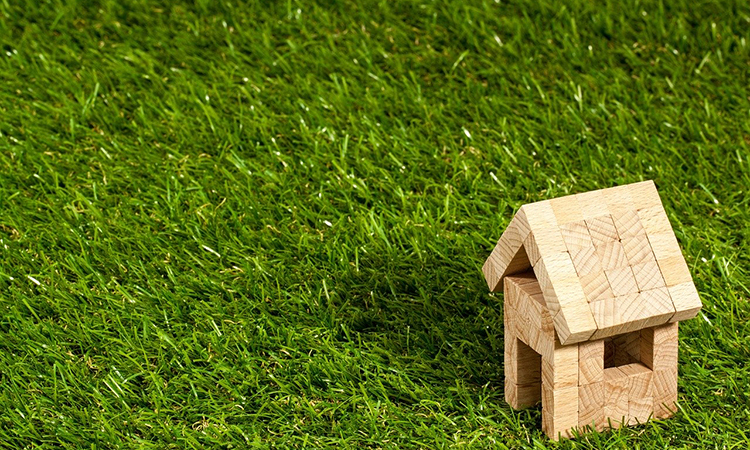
pixel 607 261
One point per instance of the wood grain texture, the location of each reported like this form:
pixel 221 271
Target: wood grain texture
pixel 637 249
pixel 644 194
pixel 628 224
pixel 612 255
pixel 596 287
pixel 560 406
pixel 586 261
pixel 576 235
pixel 602 229
pixel 687 302
pixel 566 209
pixel 674 270
pixel 591 406
pixel 508 255
pixel 616 402
pixel 622 281
pixel 648 275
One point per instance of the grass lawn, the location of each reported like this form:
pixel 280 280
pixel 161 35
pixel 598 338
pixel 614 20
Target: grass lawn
pixel 229 225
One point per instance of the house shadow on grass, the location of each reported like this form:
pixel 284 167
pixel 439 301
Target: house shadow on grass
pixel 431 327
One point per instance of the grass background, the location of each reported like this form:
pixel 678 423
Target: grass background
pixel 229 225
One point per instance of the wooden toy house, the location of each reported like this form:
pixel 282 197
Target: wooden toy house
pixel 594 286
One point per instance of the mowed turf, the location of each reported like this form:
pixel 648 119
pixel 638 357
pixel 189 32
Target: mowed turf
pixel 229 225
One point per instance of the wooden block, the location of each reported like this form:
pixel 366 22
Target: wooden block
pixel 622 281
pixel 659 347
pixel 520 396
pixel 591 406
pixel 528 364
pixel 618 200
pixel 590 371
pixel 576 323
pixel 591 349
pixel 611 255
pixel 639 380
pixel 686 301
pixel 576 235
pixel 561 370
pixel 631 312
pixel 593 204
pixel 524 278
pixel 542 222
pixel 628 224
pixel 586 261
pixel 637 249
pixel 665 392
pixel 640 410
pixel 562 290
pixel 511 394
pixel 664 245
pixel 602 229
pixel 557 276
pixel 665 347
pixel 655 305
pixel 596 287
pixel 508 255
pixel 566 209
pixel 554 267
pixel 654 220
pixel 616 407
pixel 644 194
pixel 561 407
pixel 607 317
pixel 622 358
pixel 532 250
pixel 675 271
pixel 648 275
pixel 630 344
pixel 590 362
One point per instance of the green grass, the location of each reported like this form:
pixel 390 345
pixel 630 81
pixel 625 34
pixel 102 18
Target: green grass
pixel 228 226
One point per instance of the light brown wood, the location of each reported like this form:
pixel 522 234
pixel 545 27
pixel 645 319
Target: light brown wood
pixel 561 370
pixel 639 380
pixel 576 236
pixel 602 229
pixel 664 245
pixel 594 285
pixel 590 362
pixel 637 249
pixel 591 406
pixel 561 408
pixel 631 312
pixel 665 392
pixel 622 281
pixel 644 194
pixel 532 250
pixel 616 407
pixel 654 220
pixel 612 255
pixel 640 410
pixel 675 271
pixel 648 275
pixel 686 301
pixel 508 256
pixel 566 209
pixel 593 204
pixel 619 200
pixel 586 261
pixel 628 224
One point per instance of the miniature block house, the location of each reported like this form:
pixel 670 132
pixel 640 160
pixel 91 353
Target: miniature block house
pixel 594 287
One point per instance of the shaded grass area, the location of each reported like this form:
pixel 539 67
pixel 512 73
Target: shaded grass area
pixel 231 225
